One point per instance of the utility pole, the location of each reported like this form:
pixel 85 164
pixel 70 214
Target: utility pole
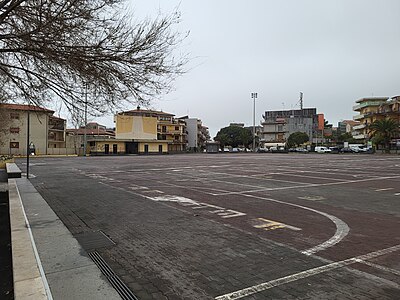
pixel 254 97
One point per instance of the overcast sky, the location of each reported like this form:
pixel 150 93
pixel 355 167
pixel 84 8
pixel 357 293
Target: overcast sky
pixel 335 52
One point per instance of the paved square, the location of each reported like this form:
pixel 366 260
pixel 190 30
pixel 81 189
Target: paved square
pixel 233 226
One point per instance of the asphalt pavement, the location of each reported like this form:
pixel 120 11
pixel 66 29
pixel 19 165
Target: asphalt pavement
pixel 233 226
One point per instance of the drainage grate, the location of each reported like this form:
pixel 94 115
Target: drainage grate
pixel 93 240
pixel 115 281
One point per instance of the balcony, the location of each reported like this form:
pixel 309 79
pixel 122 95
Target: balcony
pixel 358 117
pixel 56 140
pixel 177 132
pixel 366 104
pixel 359 127
pixel 360 136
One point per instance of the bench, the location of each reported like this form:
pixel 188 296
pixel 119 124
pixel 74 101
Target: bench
pixel 13 171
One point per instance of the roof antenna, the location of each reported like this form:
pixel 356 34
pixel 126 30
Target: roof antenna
pixel 301 100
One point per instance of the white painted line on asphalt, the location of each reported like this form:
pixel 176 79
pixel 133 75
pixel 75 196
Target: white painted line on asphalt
pixel 232 214
pixel 200 189
pixel 252 177
pixel 315 177
pixel 304 274
pixel 260 190
pixel 342 229
pixel 386 189
pixel 317 185
pixel 397 194
pixel 213 209
pixel 312 198
pixel 382 268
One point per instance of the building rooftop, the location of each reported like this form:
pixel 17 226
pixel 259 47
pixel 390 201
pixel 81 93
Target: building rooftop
pixel 372 99
pixel 351 122
pixel 91 131
pixel 24 107
pixel 139 111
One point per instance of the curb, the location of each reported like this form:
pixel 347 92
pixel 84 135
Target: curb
pixel 28 280
pixel 62 266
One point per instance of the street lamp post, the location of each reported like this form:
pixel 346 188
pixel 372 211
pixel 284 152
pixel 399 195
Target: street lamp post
pixel 254 97
pixel 27 139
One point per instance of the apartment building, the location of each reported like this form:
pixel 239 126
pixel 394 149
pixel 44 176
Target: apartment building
pixel 197 133
pixel 346 126
pixel 280 124
pixel 99 139
pixel 150 131
pixel 372 109
pixel 47 132
pixel 172 130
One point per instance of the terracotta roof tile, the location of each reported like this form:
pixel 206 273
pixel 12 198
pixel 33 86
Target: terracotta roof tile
pixel 25 107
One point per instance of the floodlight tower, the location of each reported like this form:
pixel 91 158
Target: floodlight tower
pixel 254 97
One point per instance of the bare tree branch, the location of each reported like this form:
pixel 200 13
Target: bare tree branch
pixel 51 48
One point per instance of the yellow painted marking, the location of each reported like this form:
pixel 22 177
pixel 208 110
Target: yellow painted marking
pixel 272 225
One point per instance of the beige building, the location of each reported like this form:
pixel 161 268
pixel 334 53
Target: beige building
pixel 368 109
pixel 47 132
pixel 99 140
pixel 346 126
pixel 150 131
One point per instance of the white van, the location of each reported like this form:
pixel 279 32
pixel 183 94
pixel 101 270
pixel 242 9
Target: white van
pixel 321 149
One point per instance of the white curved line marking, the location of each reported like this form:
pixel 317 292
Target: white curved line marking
pixel 307 273
pixel 342 229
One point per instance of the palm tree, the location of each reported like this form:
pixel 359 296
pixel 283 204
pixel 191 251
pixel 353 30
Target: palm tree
pixel 384 130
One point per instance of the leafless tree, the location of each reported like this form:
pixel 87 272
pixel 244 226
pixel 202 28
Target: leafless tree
pixel 60 49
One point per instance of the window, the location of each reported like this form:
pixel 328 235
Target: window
pixel 176 127
pixel 14 116
pixel 164 129
pixel 92 143
pixel 14 144
pixel 280 127
pixel 14 129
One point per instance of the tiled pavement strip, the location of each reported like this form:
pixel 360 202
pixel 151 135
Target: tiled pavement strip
pixel 68 271
pixel 166 253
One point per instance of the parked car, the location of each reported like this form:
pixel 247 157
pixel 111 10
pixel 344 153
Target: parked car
pixel 346 150
pixel 335 149
pixel 358 149
pixel 301 150
pixel 322 149
pixel 262 150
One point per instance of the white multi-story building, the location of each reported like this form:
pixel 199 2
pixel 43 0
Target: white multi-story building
pixel 197 134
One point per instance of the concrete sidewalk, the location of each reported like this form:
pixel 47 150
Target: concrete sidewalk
pixel 66 271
